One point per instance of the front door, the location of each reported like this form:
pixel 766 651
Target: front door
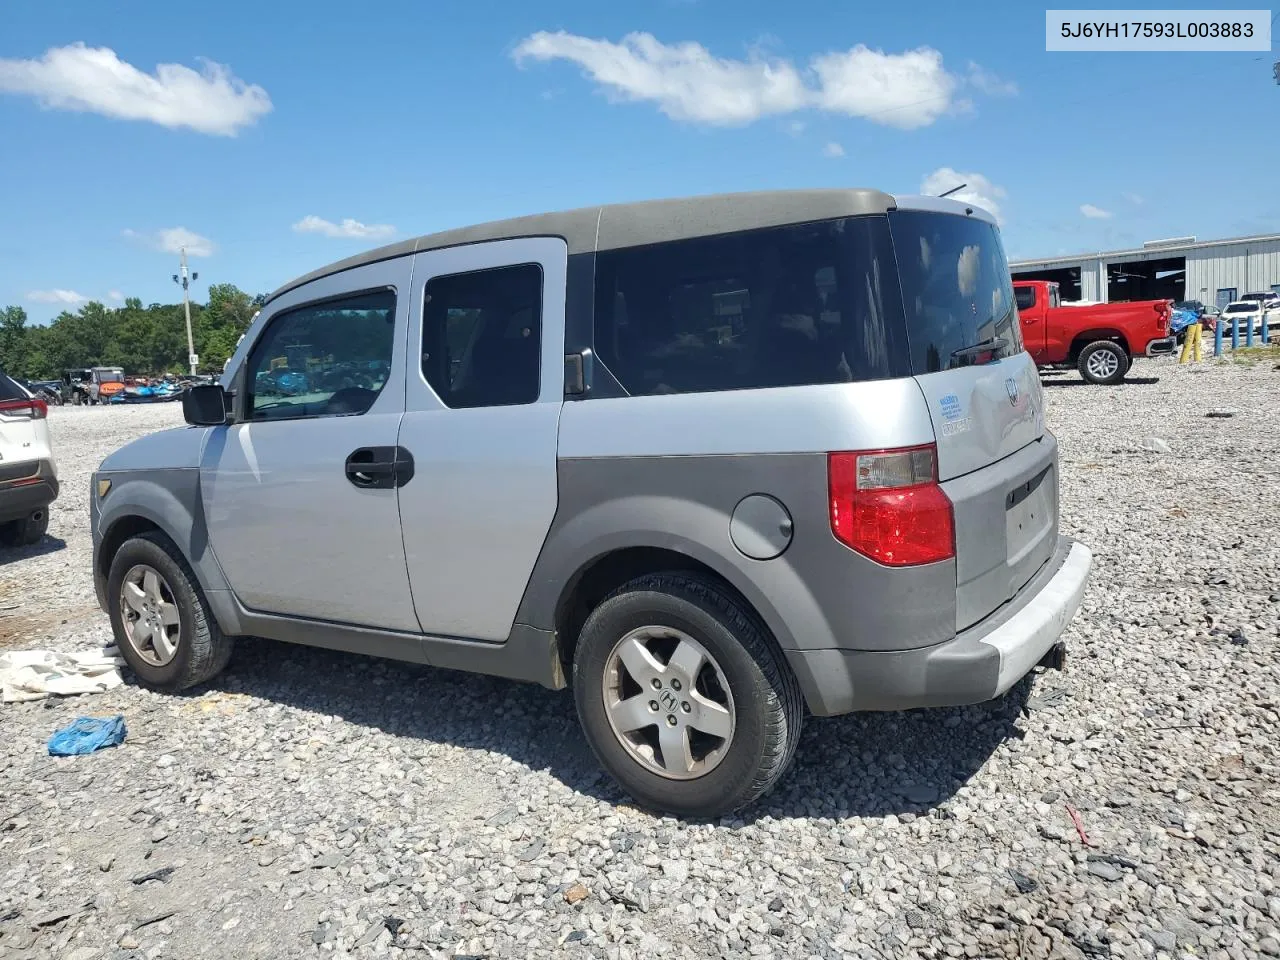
pixel 300 493
pixel 484 390
pixel 1032 316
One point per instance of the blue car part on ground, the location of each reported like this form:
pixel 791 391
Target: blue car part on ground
pixel 86 735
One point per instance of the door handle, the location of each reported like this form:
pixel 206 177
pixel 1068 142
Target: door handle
pixel 372 468
pixel 379 468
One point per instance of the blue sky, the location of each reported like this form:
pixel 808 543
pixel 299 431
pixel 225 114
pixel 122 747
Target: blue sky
pixel 276 137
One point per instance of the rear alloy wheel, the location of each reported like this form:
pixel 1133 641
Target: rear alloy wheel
pixel 683 696
pixel 26 531
pixel 1103 362
pixel 163 626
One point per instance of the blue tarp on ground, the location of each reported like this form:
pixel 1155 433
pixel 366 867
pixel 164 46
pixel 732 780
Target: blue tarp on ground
pixel 86 735
pixel 1182 319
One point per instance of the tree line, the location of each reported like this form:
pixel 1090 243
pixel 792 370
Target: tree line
pixel 150 340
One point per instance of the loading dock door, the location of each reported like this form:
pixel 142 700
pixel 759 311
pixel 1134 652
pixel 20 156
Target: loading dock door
pixel 1225 295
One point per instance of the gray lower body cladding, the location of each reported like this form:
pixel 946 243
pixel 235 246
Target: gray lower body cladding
pixel 816 594
pixel 977 665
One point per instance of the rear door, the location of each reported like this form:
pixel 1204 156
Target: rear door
pixel 484 390
pixel 996 462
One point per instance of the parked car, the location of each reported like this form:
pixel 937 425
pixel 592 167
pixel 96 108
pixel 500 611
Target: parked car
pixel 712 462
pixel 1243 314
pixel 28 473
pixel 1268 298
pixel 1099 340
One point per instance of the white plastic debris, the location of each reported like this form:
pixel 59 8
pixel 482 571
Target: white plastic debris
pixel 1156 445
pixel 36 674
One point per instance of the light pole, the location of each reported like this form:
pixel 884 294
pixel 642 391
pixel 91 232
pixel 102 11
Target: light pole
pixel 192 359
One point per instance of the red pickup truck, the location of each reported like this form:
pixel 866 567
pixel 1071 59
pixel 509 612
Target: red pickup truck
pixel 1100 340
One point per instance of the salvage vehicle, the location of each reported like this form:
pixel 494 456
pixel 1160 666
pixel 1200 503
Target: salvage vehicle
pixel 90 385
pixel 712 462
pixel 28 472
pixel 1100 340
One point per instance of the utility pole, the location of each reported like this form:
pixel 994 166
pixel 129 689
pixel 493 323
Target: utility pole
pixel 186 306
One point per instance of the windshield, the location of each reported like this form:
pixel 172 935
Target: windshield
pixel 1241 308
pixel 956 290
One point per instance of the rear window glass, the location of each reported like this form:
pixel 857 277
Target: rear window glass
pixel 789 306
pixel 9 390
pixel 956 290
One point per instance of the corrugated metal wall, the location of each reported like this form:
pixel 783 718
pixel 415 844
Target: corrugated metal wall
pixel 1246 267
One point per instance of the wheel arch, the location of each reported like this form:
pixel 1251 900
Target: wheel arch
pixel 616 541
pixel 164 501
pixel 1086 337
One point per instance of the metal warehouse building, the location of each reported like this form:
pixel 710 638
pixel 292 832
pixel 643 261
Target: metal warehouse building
pixel 1211 271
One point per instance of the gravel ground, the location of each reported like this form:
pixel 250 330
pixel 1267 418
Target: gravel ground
pixel 315 804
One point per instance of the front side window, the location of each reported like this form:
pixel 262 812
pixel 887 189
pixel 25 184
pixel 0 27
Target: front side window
pixel 787 306
pixel 324 359
pixel 482 336
pixel 956 290
pixel 1025 296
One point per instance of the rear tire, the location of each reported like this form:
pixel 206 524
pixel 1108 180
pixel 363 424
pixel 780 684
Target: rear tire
pixel 26 531
pixel 739 682
pixel 1103 362
pixel 197 650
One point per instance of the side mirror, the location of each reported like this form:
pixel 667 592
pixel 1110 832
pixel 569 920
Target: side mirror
pixel 205 405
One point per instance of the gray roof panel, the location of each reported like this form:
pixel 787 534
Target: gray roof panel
pixel 636 224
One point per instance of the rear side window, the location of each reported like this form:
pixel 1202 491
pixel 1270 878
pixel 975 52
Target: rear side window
pixel 1025 297
pixel 799 305
pixel 956 290
pixel 482 336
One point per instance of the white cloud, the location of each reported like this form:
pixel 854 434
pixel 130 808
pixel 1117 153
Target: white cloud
pixel 906 90
pixel 978 190
pixel 795 127
pixel 984 81
pixel 1133 198
pixel 115 295
pixel 347 228
pixel 173 239
pixel 685 80
pixel 1095 213
pixel 833 150
pixel 95 80
pixel 56 296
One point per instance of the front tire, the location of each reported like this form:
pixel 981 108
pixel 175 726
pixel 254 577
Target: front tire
pixel 683 697
pixel 1103 362
pixel 162 623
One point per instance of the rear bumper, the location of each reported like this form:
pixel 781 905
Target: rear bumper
pixel 979 664
pixel 1162 347
pixel 21 497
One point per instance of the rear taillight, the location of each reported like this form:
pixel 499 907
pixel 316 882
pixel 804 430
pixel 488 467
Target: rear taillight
pixel 887 505
pixel 35 409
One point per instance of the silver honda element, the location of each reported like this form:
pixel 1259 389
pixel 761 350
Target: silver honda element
pixel 715 463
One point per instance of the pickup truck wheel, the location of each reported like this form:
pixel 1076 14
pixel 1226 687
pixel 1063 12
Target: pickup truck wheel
pixel 25 531
pixel 162 623
pixel 1103 362
pixel 683 697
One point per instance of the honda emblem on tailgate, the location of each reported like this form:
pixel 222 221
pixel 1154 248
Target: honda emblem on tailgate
pixel 1011 388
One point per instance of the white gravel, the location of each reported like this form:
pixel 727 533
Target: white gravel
pixel 317 804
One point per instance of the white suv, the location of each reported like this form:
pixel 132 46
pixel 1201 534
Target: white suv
pixel 28 475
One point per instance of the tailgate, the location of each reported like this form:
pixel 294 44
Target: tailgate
pixel 998 466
